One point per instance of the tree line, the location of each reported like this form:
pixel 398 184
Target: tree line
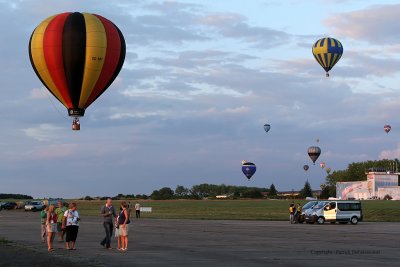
pixel 14 196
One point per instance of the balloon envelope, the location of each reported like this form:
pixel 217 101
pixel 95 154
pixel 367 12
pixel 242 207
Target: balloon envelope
pixel 313 153
pixel 387 128
pixel 77 56
pixel 248 169
pixel 327 52
pixel 306 167
pixel 328 170
pixel 322 164
pixel 267 127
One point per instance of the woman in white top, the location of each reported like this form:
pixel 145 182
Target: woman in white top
pixel 71 226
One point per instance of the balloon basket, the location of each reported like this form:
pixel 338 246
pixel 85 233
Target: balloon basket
pixel 76 126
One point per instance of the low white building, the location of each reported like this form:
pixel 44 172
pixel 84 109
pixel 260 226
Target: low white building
pixel 379 183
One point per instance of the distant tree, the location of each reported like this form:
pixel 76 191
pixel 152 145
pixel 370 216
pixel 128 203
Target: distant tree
pixel 252 193
pixel 181 191
pixel 14 196
pixel 326 192
pixel 88 198
pixel 163 193
pixel 356 171
pixel 306 191
pixel 272 192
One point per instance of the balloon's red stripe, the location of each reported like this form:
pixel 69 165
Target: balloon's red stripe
pixel 52 48
pixel 111 60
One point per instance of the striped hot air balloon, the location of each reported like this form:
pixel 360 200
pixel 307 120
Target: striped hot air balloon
pixel 77 56
pixel 327 52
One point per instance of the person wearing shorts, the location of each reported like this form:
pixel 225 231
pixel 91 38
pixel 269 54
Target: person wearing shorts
pixel 123 222
pixel 51 227
pixel 71 226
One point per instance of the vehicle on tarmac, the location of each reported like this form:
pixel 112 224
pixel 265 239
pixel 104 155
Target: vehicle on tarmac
pixel 337 211
pixel 34 206
pixel 308 218
pixel 9 206
pixel 305 208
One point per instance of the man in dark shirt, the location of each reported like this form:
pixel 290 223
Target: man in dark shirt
pixel 108 212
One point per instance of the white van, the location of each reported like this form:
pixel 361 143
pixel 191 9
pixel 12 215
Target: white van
pixel 338 211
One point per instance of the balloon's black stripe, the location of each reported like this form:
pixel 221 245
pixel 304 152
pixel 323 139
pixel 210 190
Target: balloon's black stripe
pixel 74 51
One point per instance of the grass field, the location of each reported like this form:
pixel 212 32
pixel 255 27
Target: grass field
pixel 375 210
pixel 273 210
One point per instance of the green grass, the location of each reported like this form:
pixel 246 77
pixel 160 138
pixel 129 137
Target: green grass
pixel 4 241
pixel 374 210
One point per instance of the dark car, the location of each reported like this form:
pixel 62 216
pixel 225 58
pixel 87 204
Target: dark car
pixel 9 206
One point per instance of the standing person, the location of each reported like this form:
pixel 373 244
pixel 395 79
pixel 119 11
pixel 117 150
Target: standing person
pixel 137 209
pixel 51 227
pixel 108 212
pixel 298 212
pixel 60 210
pixel 71 226
pixel 123 222
pixel 43 216
pixel 291 211
pixel 117 235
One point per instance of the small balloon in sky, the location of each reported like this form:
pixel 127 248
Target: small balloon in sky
pixel 313 153
pixel 387 128
pixel 267 127
pixel 306 167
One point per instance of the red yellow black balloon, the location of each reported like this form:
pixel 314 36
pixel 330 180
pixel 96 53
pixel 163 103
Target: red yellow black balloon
pixel 77 56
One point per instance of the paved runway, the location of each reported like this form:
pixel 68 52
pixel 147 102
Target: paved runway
pixel 219 243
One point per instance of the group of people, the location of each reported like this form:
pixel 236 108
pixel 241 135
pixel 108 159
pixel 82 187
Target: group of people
pixel 295 212
pixel 62 221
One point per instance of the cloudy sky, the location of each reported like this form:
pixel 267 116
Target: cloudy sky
pixel 199 81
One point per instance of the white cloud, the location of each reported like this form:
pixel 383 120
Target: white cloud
pixel 38 93
pixel 44 132
pixel 376 24
pixel 139 115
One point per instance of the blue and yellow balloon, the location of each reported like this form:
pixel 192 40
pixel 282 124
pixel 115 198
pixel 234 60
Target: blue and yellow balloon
pixel 327 52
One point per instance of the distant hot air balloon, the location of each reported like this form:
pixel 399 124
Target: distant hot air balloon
pixel 313 153
pixel 327 52
pixel 248 168
pixel 306 167
pixel 387 128
pixel 322 164
pixel 77 56
pixel 328 170
pixel 267 127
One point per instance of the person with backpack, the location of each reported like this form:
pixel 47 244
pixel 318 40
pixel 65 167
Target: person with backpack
pixel 123 222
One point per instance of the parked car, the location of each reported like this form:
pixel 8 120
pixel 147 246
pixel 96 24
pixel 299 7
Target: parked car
pixel 1 205
pixel 339 211
pixel 9 206
pixel 307 206
pixel 34 206
pixel 308 214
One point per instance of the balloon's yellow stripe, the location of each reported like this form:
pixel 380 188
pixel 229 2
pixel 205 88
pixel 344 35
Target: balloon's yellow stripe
pixel 96 46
